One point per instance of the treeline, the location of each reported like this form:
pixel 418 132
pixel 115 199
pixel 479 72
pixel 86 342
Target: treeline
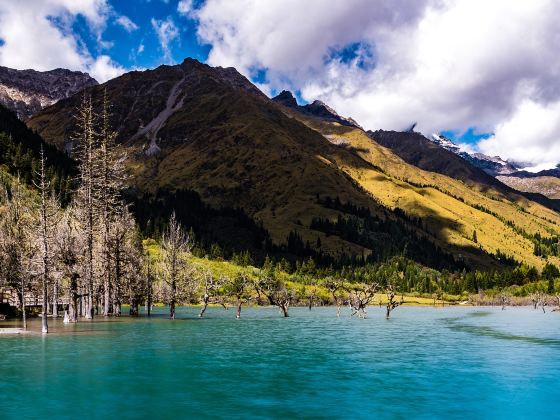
pixel 386 237
pixel 19 155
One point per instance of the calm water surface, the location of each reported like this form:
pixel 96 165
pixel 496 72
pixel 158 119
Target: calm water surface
pixel 423 363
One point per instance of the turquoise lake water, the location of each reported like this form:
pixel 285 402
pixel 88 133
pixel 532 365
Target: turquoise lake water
pixel 423 363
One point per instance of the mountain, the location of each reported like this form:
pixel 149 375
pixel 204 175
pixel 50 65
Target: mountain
pixel 546 182
pixel 492 165
pixel 548 186
pixel 419 151
pixel 301 181
pixel 26 92
pixel 316 108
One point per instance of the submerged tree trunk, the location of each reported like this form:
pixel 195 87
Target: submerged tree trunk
pixel 238 309
pixel 133 307
pixel 172 300
pixel 205 301
pixel 106 295
pixel 73 304
pixel 284 307
pixel 23 314
pixel 55 299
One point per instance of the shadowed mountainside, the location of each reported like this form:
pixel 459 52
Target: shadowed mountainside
pixel 194 127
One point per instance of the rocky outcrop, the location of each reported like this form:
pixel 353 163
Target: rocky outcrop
pixel 27 92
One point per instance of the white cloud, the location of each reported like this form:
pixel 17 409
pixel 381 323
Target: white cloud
pixel 530 134
pixel 103 68
pixel 127 24
pixel 38 34
pixel 446 64
pixel 185 7
pixel 166 32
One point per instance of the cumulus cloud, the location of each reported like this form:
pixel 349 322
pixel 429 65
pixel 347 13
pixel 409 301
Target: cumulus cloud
pixel 127 24
pixel 531 134
pixel 446 64
pixel 104 68
pixel 38 34
pixel 166 32
pixel 185 7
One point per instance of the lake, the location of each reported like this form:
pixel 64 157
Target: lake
pixel 455 362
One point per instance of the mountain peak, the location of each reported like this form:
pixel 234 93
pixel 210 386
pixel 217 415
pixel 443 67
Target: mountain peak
pixel 26 92
pixel 286 98
pixel 492 165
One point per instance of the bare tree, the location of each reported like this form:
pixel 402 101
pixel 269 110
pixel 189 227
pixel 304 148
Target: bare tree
pixel 86 154
pixel 48 210
pixel 360 297
pixel 557 298
pixel 239 288
pixel 69 257
pixel 275 291
pixel 149 286
pixel 538 299
pixel 210 286
pixel 504 299
pixel 336 287
pixel 176 245
pixel 111 179
pixel 391 302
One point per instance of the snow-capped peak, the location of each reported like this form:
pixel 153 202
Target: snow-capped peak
pixel 493 165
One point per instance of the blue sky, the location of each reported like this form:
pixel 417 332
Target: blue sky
pixel 484 73
pixel 126 43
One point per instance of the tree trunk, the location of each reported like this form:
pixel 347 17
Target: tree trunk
pixel 238 311
pixel 133 307
pixel 172 302
pixel 284 309
pixel 55 299
pixel 23 304
pixel 204 305
pixel 73 309
pixel 106 295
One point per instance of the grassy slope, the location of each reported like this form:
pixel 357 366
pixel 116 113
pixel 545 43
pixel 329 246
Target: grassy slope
pixel 227 269
pixel 238 149
pixel 432 196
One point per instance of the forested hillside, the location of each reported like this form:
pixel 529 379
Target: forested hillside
pixel 207 130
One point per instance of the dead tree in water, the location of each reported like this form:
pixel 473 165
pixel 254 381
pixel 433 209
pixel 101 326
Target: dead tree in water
pixel 149 288
pixel 176 246
pixel 504 300
pixel 68 255
pixel 47 211
pixel 275 291
pixel 87 193
pixel 391 302
pixel 210 286
pixel 336 287
pixel 360 297
pixel 538 299
pixel 239 289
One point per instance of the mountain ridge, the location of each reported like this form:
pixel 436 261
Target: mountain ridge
pixel 221 137
pixel 26 92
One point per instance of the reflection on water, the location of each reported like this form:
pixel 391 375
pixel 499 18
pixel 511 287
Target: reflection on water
pixel 455 324
pixel 424 363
